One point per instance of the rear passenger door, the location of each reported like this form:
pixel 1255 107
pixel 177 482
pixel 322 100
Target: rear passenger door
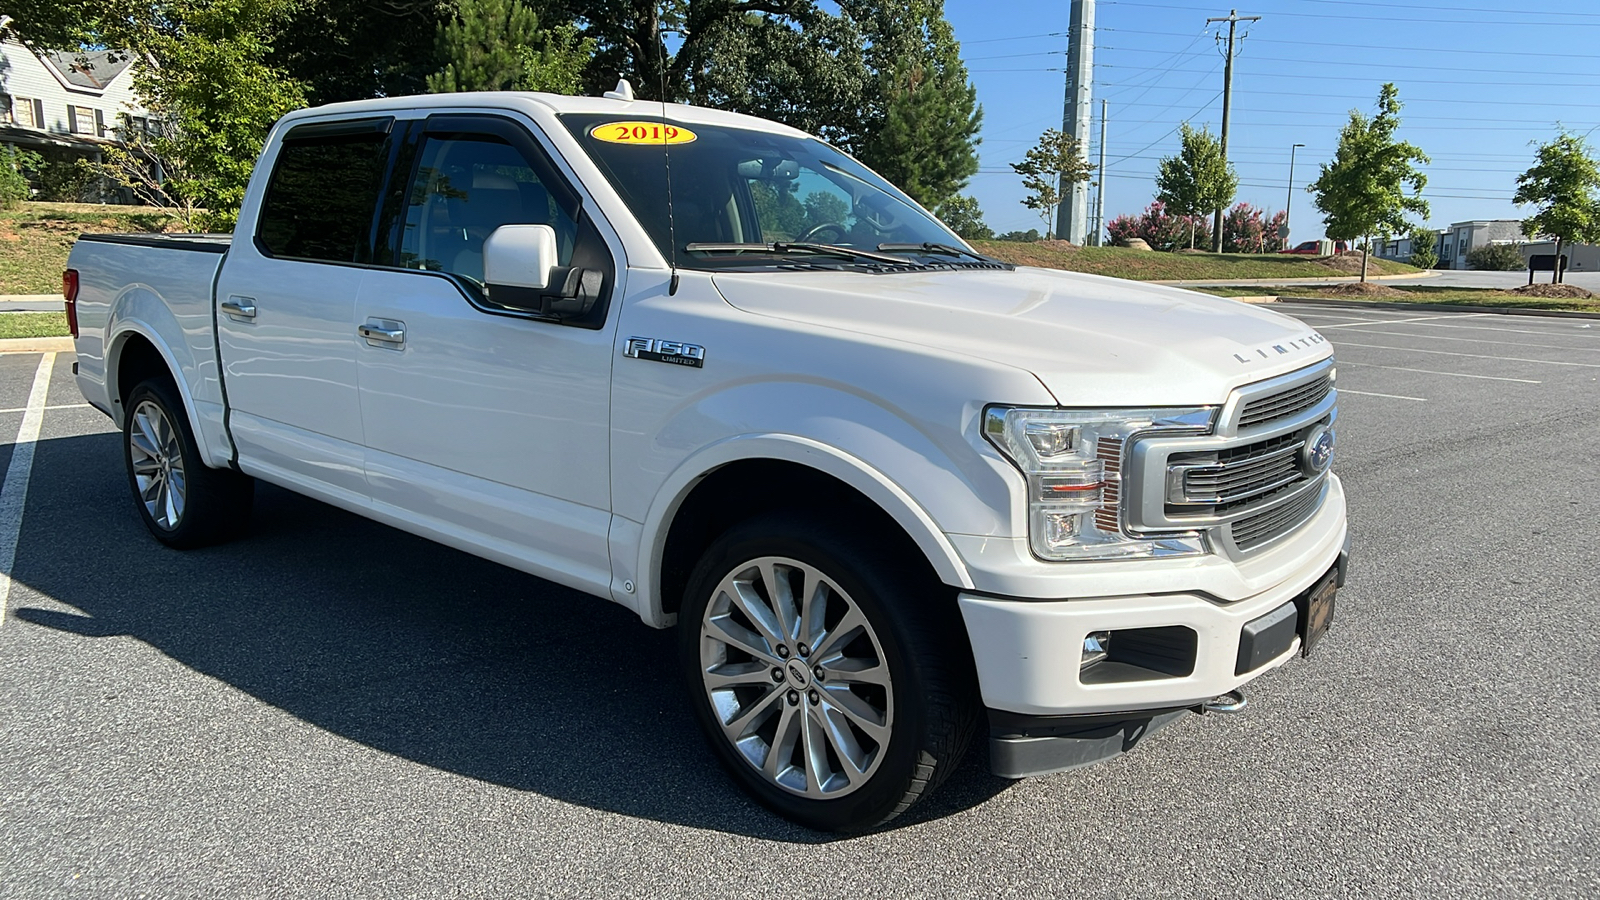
pixel 286 300
pixel 487 427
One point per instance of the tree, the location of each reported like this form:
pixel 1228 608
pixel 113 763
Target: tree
pixel 1424 252
pixel 1197 180
pixel 1052 163
pixel 497 45
pixel 13 183
pixel 1248 229
pixel 964 217
pixel 1362 192
pixel 201 70
pixel 1562 183
pixel 357 49
pixel 920 122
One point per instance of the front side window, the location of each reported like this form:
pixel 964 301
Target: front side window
pixel 22 112
pixel 319 204
pixel 466 186
pixel 740 186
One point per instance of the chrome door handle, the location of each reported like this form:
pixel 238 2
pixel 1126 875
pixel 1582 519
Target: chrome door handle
pixel 385 335
pixel 243 307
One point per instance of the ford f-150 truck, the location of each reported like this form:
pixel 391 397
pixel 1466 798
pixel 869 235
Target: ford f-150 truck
pixel 892 493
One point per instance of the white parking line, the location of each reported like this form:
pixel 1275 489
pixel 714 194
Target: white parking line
pixel 14 495
pixel 1545 362
pixel 23 409
pixel 1346 362
pixel 1401 321
pixel 1390 396
pixel 1441 337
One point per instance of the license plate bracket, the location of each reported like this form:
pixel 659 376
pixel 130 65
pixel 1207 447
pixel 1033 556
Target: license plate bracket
pixel 1316 612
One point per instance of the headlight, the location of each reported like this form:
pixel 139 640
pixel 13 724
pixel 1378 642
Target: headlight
pixel 1072 459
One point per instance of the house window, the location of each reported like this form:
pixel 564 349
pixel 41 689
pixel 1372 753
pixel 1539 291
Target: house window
pixel 22 112
pixel 83 120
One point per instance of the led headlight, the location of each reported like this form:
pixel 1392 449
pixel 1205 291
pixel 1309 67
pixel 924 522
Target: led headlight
pixel 1072 459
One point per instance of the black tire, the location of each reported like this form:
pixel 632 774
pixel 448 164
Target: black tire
pixel 913 618
pixel 215 503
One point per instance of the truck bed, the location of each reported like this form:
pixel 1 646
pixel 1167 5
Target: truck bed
pixel 205 243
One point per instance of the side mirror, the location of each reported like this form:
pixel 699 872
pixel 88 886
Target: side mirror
pixel 519 257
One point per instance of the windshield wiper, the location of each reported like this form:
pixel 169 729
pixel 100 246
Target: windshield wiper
pixel 927 247
pixel 783 247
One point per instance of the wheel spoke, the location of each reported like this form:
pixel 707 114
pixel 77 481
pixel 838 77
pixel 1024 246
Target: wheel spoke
pixel 818 772
pixel 835 639
pixel 783 741
pixel 852 670
pixel 780 593
pixel 844 743
pixel 813 609
pixel 141 420
pixel 724 629
pixel 744 596
pixel 731 675
pixel 748 718
pixel 140 444
pixel 857 711
pixel 150 489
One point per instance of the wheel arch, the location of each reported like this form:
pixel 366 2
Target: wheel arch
pixel 136 352
pixel 768 472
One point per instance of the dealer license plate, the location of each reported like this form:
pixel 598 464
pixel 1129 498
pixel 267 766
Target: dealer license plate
pixel 1316 614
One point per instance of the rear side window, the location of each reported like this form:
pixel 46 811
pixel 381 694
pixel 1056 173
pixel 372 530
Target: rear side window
pixel 320 202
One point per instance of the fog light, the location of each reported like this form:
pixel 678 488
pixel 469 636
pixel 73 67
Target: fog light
pixel 1096 646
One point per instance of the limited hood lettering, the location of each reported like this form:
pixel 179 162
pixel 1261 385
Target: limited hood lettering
pixel 1305 343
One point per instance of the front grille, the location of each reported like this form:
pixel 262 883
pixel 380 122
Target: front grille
pixel 1253 531
pixel 1240 474
pixel 1286 403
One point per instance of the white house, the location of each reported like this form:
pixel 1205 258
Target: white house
pixel 65 101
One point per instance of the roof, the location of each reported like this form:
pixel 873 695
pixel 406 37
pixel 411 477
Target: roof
pixel 93 69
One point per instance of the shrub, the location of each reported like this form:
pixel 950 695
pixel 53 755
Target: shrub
pixel 1020 237
pixel 65 180
pixel 1246 229
pixel 1423 252
pixel 1496 258
pixel 1160 229
pixel 13 182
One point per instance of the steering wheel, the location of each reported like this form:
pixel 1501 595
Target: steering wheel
pixel 811 234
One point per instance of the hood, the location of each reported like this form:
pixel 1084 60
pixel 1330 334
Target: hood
pixel 1092 340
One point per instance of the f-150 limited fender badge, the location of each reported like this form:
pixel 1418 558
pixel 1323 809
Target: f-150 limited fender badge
pixel 675 352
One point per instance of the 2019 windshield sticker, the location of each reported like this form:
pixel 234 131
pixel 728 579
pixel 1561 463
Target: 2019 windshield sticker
pixel 652 134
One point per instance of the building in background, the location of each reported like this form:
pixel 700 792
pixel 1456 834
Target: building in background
pixel 1462 237
pixel 1580 257
pixel 64 104
pixel 1400 249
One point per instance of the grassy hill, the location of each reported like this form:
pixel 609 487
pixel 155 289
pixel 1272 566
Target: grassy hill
pixel 1146 265
pixel 35 238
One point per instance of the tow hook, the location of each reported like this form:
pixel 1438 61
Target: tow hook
pixel 1231 702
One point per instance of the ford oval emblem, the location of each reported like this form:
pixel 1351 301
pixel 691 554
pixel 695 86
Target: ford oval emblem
pixel 1317 454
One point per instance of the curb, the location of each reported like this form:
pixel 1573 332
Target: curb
pixel 1442 307
pixel 37 345
pixel 1292 282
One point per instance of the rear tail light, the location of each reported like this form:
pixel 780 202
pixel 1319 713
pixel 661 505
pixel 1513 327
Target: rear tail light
pixel 69 290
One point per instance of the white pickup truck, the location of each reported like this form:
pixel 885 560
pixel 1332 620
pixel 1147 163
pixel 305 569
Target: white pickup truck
pixel 892 493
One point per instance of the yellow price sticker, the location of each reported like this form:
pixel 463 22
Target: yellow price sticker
pixel 641 133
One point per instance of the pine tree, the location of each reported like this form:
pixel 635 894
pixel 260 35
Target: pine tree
pixel 1563 183
pixel 1198 179
pixel 497 45
pixel 1363 191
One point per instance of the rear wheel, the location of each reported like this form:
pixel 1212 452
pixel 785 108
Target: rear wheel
pixel 183 502
pixel 827 677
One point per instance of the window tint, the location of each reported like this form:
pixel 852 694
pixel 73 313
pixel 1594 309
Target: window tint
pixel 465 187
pixel 320 201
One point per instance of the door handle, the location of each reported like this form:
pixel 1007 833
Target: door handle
pixel 382 334
pixel 243 307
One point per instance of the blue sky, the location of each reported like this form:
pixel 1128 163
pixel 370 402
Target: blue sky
pixel 1481 80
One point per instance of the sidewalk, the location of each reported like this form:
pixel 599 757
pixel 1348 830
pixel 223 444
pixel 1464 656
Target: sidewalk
pixel 31 303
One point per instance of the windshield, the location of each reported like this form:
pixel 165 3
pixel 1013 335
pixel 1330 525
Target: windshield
pixel 734 186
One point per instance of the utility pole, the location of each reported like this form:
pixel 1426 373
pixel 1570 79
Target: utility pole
pixel 1100 182
pixel 1233 19
pixel 1289 200
pixel 1072 216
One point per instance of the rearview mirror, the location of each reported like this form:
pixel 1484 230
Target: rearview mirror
pixel 779 169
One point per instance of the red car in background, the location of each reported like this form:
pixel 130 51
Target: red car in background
pixel 1323 247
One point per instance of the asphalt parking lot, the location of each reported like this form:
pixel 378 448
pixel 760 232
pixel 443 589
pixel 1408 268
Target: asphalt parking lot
pixel 331 708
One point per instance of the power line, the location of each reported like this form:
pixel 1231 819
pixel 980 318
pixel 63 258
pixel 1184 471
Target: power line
pixel 1383 47
pixel 1497 24
pixel 1386 65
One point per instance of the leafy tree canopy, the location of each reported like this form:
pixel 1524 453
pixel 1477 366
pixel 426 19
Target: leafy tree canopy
pixel 1362 192
pixel 1198 179
pixel 1563 183
pixel 1052 162
pixel 497 45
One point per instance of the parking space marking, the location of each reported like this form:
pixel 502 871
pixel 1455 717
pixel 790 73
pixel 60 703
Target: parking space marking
pixel 1401 321
pixel 1346 362
pixel 14 494
pixel 1545 362
pixel 23 409
pixel 1441 337
pixel 1390 396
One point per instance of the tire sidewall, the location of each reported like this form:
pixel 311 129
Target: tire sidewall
pixel 163 395
pixel 869 581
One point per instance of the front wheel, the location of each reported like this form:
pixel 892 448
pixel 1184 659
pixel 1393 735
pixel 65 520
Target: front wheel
pixel 183 502
pixel 828 678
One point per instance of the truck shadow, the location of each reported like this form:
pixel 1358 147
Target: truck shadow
pixel 403 645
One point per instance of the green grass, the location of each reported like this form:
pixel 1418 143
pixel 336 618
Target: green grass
pixel 33 324
pixel 1417 293
pixel 35 239
pixel 1146 265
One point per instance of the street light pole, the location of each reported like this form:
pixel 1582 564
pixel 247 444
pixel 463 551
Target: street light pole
pixel 1289 200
